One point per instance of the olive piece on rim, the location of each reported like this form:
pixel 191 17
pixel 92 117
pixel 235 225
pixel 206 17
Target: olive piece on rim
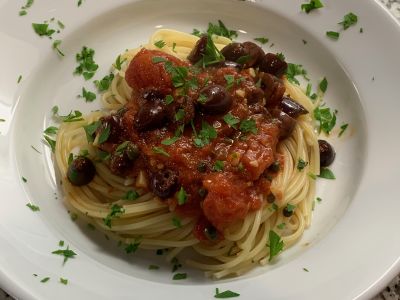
pixel 326 153
pixel 81 171
pixel 151 115
pixel 214 100
pixel 164 183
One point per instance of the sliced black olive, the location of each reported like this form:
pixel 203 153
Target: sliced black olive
pixel 81 171
pixel 202 193
pixel 292 108
pixel 285 122
pixel 164 183
pixel 326 153
pixel 272 64
pixel 271 198
pixel 202 167
pixel 211 232
pixel 121 161
pixel 153 95
pixel 287 213
pixel 247 54
pixel 274 167
pixel 226 64
pixel 214 100
pixel 255 54
pixel 199 50
pixel 151 115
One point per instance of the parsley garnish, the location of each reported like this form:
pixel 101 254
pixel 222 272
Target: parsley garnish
pixel 24 179
pixel 33 207
pixel 45 279
pixel 248 125
pixel 179 276
pixel 23 11
pixel 275 244
pixel 160 150
pixel 67 253
pixel 42 29
pixel 305 270
pixel 178 134
pixel 304 42
pixel 218 166
pixel 295 70
pixel 301 164
pixel 177 222
pixel 231 120
pixel 211 54
pixel 56 45
pixel 196 32
pixel 262 40
pixel 90 130
pixel 218 29
pixel 51 130
pixel 158 59
pixel 153 267
pixel 104 134
pixel 19 78
pixel 342 129
pixel 74 116
pixel 323 85
pixel 63 281
pixel 290 207
pixel 80 2
pixel 159 44
pixel 116 212
pixel 132 247
pixel 327 119
pixel 118 62
pixel 104 83
pixel 61 243
pixel 333 35
pixel 348 20
pixel 88 95
pixel 131 195
pixel 281 226
pixel 51 142
pixel 319 199
pixel 314 4
pixel 225 294
pixel 60 24
pixel 312 175
pixel 87 66
pixel 181 196
pixel 168 99
pixel 230 80
pixel 180 114
pixel 326 173
pixel 206 134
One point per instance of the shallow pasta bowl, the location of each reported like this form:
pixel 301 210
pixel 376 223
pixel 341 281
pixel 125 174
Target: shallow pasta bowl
pixel 351 249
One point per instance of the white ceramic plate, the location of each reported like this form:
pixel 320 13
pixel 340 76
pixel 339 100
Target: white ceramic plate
pixel 352 248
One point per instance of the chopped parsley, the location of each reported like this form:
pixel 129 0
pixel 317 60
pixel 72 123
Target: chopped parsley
pixel 87 95
pixel 248 125
pixel 326 173
pixel 67 253
pixel 218 29
pixel 33 207
pixel 305 270
pixel 206 134
pixel 90 130
pixel 51 143
pixel 160 44
pixel 158 59
pixel 281 226
pixel 131 195
pixel 225 294
pixel 290 208
pixel 231 120
pixel 45 279
pixel 179 276
pixel 23 11
pixel 230 80
pixel 173 47
pixel 301 164
pixel 61 243
pixel 211 54
pixel 153 267
pixel 349 20
pixel 333 35
pixel 118 62
pixel 74 116
pixel 19 79
pixel 294 70
pixel 51 130
pixel 116 212
pixel 218 166
pixel 160 150
pixel 63 281
pixel 326 118
pixel 104 134
pixel 323 85
pixel 42 29
pixel 343 129
pixel 60 24
pixel 180 114
pixel 319 199
pixel 262 40
pixel 87 66
pixel 24 179
pixel 181 196
pixel 275 244
pixel 176 222
pixel 178 133
pixel 312 175
pixel 314 4
pixel 361 30
pixel 80 2
pixel 56 46
pixel 104 84
pixel 168 99
pixel 132 247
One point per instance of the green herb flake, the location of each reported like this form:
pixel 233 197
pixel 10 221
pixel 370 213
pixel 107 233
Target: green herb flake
pixel 206 134
pixel 312 175
pixel 158 59
pixel 80 2
pixel 248 125
pixel 262 40
pixel 326 119
pixel 159 44
pixel 294 70
pixel 218 166
pixel 173 47
pixel 179 276
pixel 180 114
pixel 304 42
pixel 290 208
pixel 281 226
pixel 51 130
pixel 153 267
pixel 334 35
pixel 19 79
pixel 176 222
pixel 132 247
pixel 319 199
pixel 221 30
pixel 45 279
pixel 67 253
pixel 60 24
pixel 196 32
pixel 182 196
pixel 131 195
pixel 305 270
pixel 301 164
pixel 42 29
pixel 87 66
pixel 90 130
pixel 118 62
pixel 115 212
pixel 349 20
pixel 225 294
pixel 275 244
pixel 161 151
pixel 168 99
pixel 343 129
pixel 24 179
pixel 361 30
pixel 104 134
pixel 230 80
pixel 87 95
pixel 323 85
pixel 326 173
pixel 23 13
pixel 104 84
pixel 33 207
pixel 61 243
pixel 314 4
pixel 51 143
pixel 63 281
pixel 231 120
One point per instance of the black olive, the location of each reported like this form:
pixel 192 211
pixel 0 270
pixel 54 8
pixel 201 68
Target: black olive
pixel 274 167
pixel 121 161
pixel 226 64
pixel 234 51
pixel 254 54
pixel 285 122
pixel 287 213
pixel 247 54
pixel 273 88
pixel 272 64
pixel 199 50
pixel 211 232
pixel 81 171
pixel 214 100
pixel 202 167
pixel 151 115
pixel 164 183
pixel 202 193
pixel 113 124
pixel 326 153
pixel 292 108
pixel 254 95
pixel 271 198
pixel 153 95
